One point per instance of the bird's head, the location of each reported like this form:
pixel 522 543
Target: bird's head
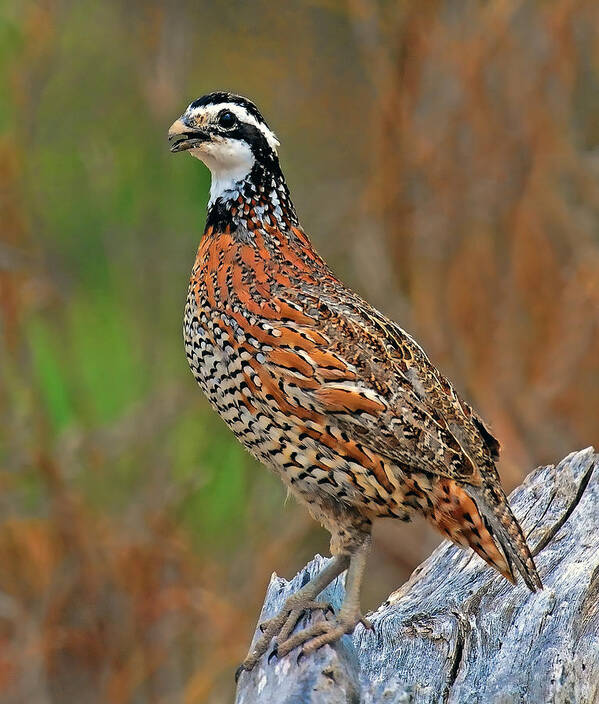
pixel 228 133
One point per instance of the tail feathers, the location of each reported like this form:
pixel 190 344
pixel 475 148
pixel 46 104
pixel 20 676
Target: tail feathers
pixel 506 530
pixel 480 518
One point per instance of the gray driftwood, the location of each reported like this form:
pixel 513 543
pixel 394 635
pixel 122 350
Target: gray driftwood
pixel 458 633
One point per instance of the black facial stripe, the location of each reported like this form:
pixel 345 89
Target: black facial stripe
pixel 222 97
pixel 259 145
pixel 261 149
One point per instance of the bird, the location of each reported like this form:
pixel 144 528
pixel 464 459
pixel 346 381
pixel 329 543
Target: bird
pixel 322 388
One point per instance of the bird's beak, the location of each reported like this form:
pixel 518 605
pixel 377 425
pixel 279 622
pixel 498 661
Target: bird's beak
pixel 182 137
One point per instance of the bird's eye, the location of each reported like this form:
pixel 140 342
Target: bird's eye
pixel 227 120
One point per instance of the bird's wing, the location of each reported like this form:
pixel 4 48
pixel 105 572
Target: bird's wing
pixel 344 359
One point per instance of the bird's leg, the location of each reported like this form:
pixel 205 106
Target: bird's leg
pixel 349 616
pixel 285 621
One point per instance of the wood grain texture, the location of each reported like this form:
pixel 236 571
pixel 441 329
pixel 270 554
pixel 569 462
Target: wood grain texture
pixel 458 633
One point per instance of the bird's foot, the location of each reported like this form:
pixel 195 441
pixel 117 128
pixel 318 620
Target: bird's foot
pixel 294 615
pixel 319 634
pixel 280 627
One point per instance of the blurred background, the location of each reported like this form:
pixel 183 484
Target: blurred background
pixel 443 156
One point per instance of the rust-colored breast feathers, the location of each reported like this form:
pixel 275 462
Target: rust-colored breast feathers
pixel 329 364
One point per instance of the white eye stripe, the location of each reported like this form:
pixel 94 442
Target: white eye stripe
pixel 210 112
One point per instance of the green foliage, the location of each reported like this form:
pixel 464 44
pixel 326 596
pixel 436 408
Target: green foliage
pixel 215 507
pixel 113 220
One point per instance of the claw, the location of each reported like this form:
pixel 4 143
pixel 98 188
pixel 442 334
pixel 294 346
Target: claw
pixel 238 672
pixel 300 655
pixel 329 610
pixel 274 653
pixel 265 624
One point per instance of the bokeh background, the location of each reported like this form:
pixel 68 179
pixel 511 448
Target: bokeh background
pixel 444 157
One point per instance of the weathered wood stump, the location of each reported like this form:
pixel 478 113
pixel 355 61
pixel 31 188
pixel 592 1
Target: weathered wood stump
pixel 458 633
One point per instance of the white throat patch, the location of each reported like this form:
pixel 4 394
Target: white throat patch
pixel 230 161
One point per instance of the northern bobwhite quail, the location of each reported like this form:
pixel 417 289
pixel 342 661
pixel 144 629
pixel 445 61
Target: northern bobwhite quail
pixel 320 386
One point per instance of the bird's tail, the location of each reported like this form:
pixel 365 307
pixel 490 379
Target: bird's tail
pixel 481 518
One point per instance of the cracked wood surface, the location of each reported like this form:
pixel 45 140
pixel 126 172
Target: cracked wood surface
pixel 456 632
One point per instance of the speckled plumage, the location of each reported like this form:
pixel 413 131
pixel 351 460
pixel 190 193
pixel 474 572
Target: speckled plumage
pixel 326 391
